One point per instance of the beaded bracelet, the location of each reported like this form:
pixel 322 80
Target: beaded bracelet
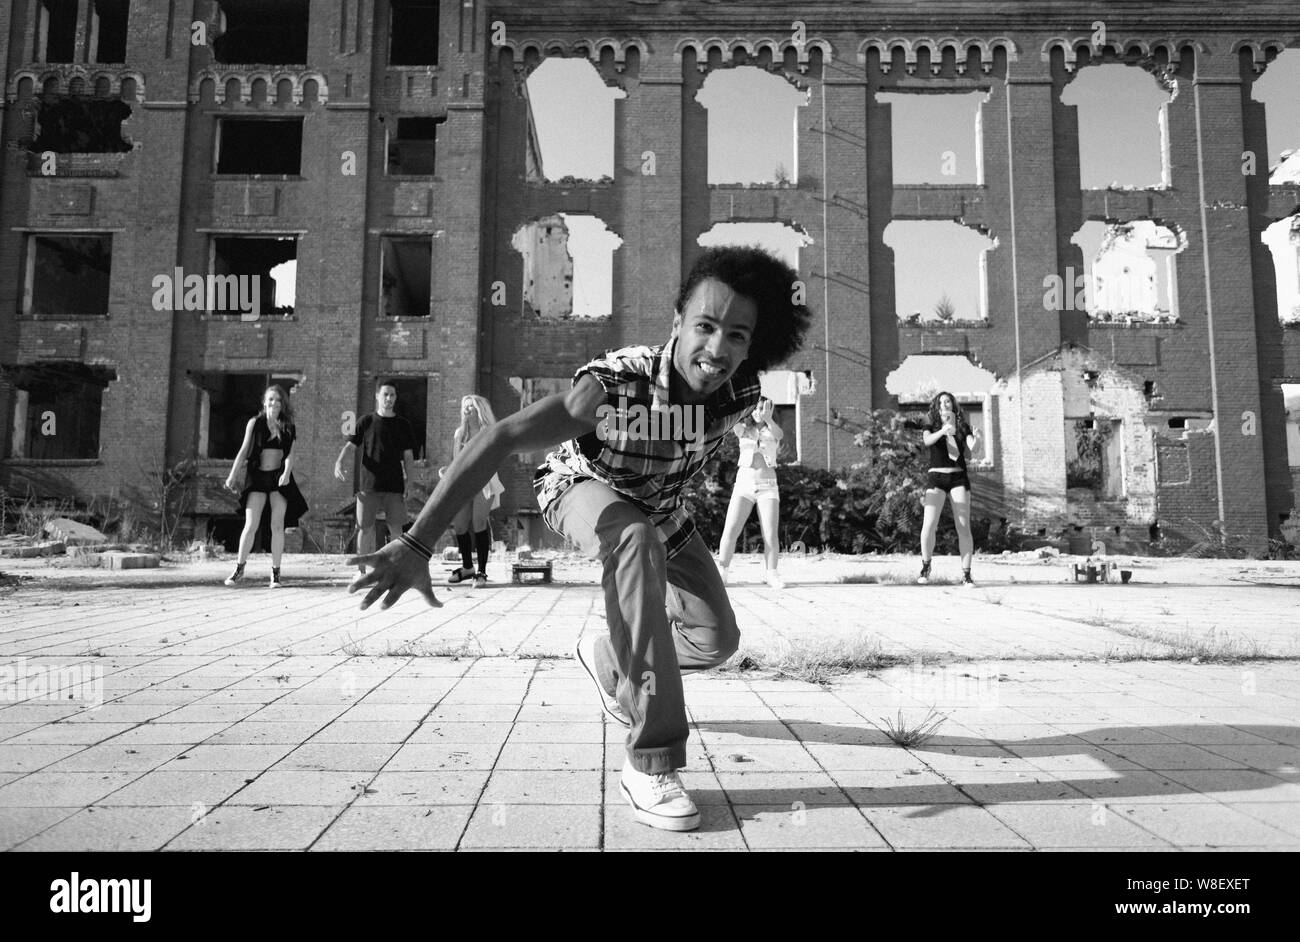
pixel 414 544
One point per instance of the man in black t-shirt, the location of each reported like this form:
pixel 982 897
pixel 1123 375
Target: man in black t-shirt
pixel 387 444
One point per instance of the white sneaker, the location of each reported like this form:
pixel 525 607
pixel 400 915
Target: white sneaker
pixel 774 580
pixel 659 800
pixel 585 653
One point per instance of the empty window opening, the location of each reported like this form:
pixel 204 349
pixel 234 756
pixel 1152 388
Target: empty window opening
pixel 413 26
pixel 1276 90
pixel 570 122
pixel 1094 451
pixel 921 377
pixel 1130 271
pixel 226 402
pixel 76 125
pixel 786 389
pixel 777 238
pixel 937 138
pixel 56 410
pixel 56 30
pixel 1122 127
pixel 262 32
pixel 67 275
pixel 259 146
pixel 753 120
pixel 108 30
pixel 407 281
pixel 412 144
pixel 1283 241
pixel 264 267
pixel 1291 401
pixel 940 271
pixel 1178 422
pixel 568 265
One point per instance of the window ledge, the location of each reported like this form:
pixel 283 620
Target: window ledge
pixel 982 324
pixel 257 177
pixel 239 318
pixel 403 319
pixel 427 67
pixel 413 177
pixel 51 462
pixel 1135 324
pixel 56 318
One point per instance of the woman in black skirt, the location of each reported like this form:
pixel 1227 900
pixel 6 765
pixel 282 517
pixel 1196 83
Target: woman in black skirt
pixel 267 449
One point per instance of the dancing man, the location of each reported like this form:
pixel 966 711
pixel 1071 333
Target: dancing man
pixel 635 427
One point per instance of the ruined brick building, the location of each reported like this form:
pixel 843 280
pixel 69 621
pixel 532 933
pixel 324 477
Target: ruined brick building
pixel 375 163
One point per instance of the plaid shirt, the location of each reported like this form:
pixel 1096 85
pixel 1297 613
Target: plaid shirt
pixel 650 472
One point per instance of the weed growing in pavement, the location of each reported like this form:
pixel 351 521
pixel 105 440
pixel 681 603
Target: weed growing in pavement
pixel 1214 647
pixel 892 578
pixel 817 662
pixel 904 735
pixel 353 648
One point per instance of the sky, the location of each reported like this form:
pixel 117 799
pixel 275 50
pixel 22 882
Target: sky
pixel 753 118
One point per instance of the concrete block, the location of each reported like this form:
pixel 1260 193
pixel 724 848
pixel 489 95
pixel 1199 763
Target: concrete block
pixel 129 561
pixel 73 533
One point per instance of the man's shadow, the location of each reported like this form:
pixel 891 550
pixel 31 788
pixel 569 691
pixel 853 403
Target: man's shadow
pixel 1113 747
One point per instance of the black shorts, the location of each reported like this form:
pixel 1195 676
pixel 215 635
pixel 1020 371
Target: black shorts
pixel 947 480
pixel 265 482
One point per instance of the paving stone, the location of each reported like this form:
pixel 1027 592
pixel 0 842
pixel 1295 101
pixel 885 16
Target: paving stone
pixel 950 826
pixel 249 733
pixel 438 731
pixel 169 787
pixel 781 788
pixel 542 787
pixel 443 757
pixel 897 787
pixel 112 829
pixel 564 755
pixel 425 788
pixel 242 827
pixel 413 827
pixel 1212 824
pixel 116 757
pixel 338 757
pixel 18 824
pixel 84 734
pixel 1073 825
pixel 159 733
pixel 1175 756
pixel 555 733
pixel 767 826
pixel 1233 785
pixel 218 758
pixel 62 789
pixel 25 758
pixel 534 826
pixel 301 788
pixel 762 757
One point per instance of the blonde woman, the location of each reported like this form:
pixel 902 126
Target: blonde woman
pixel 950 441
pixel 475 416
pixel 267 452
pixel 760 438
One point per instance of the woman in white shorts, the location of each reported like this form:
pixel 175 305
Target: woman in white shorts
pixel 759 439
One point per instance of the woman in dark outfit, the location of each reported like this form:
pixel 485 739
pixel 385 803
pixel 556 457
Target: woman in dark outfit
pixel 950 441
pixel 267 449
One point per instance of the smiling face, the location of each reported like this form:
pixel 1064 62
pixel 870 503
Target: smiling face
pixel 386 399
pixel 713 337
pixel 272 403
pixel 946 407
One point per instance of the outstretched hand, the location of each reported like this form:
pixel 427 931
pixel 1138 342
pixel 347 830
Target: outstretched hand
pixel 392 570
